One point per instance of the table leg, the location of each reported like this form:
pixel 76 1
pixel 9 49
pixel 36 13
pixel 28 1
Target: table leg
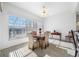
pixel 60 37
pixel 33 48
pixel 52 36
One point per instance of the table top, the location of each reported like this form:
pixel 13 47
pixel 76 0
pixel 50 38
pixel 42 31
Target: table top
pixel 39 37
pixel 56 33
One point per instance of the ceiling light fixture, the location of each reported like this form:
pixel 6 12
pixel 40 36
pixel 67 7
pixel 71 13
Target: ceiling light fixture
pixel 44 11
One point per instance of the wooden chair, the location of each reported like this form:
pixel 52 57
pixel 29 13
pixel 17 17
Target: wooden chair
pixel 74 36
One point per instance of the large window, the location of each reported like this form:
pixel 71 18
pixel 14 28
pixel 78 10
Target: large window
pixel 29 25
pixel 17 27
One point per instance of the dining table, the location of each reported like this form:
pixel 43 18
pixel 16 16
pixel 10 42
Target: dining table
pixel 40 40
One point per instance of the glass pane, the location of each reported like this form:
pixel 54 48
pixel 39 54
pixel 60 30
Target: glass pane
pixel 16 27
pixel 11 20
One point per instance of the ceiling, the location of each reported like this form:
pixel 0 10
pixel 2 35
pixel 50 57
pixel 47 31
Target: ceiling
pixel 53 7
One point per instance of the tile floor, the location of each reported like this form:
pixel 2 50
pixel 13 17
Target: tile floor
pixel 57 49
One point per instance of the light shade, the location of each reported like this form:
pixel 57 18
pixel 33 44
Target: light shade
pixel 44 11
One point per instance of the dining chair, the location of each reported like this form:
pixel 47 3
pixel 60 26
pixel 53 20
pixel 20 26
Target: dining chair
pixel 34 33
pixel 46 43
pixel 33 43
pixel 69 37
pixel 74 36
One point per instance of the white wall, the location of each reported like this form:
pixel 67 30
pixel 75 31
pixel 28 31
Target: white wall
pixel 62 22
pixel 4 31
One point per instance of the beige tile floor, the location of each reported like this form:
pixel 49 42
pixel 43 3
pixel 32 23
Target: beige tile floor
pixel 56 49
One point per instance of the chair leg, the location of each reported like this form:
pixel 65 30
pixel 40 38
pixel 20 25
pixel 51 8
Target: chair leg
pixel 33 48
pixel 45 46
pixel 76 53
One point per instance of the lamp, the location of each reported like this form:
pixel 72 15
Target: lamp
pixel 44 11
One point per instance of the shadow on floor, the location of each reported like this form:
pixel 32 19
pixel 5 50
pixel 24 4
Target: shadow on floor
pixel 52 51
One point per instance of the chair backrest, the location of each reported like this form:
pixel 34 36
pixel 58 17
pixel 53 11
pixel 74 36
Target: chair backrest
pixel 69 34
pixel 75 41
pixel 30 38
pixel 34 33
pixel 46 36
